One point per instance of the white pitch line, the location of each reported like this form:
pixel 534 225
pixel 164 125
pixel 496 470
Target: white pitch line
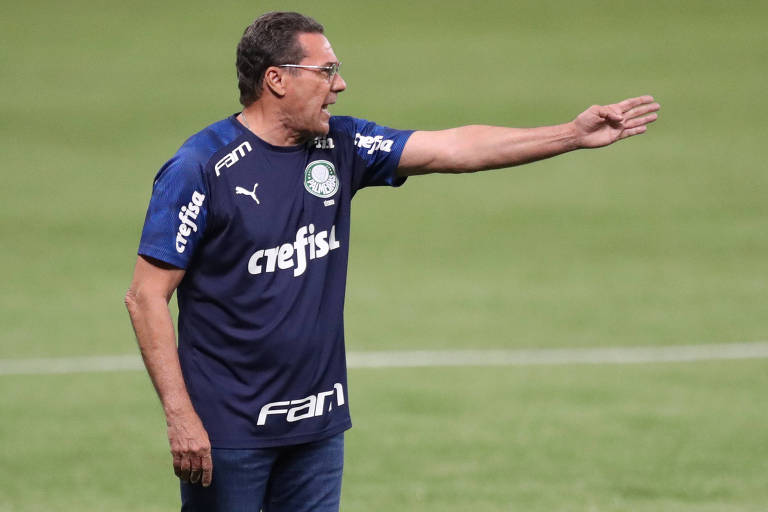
pixel 424 358
pixel 559 356
pixel 86 364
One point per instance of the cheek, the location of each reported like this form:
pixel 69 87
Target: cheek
pixel 313 105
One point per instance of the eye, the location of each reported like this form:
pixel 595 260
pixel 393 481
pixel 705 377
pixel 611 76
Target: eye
pixel 332 70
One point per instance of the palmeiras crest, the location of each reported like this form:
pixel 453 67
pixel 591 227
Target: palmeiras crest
pixel 320 178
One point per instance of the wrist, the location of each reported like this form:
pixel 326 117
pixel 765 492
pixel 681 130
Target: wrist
pixel 175 412
pixel 570 137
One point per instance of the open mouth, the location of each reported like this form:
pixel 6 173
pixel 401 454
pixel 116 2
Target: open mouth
pixel 326 107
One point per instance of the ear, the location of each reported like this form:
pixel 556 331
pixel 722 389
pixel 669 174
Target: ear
pixel 274 79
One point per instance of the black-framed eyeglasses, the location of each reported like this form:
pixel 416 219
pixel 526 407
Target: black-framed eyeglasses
pixel 330 70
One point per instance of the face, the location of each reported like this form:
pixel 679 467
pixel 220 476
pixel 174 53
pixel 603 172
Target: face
pixel 309 93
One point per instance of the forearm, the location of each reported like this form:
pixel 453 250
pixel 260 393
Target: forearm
pixel 147 302
pixel 476 148
pixel 153 326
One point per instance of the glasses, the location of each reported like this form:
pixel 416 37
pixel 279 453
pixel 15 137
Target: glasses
pixel 330 71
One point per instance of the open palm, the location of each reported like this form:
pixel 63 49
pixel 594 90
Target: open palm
pixel 601 125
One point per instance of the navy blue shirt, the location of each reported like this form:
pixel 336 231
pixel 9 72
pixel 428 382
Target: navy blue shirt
pixel 263 233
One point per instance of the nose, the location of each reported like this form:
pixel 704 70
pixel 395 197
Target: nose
pixel 338 84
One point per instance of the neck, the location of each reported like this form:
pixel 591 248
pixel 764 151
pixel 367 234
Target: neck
pixel 270 125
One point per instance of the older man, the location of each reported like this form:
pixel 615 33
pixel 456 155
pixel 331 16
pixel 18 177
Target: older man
pixel 249 224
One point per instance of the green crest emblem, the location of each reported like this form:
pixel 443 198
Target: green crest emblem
pixel 320 178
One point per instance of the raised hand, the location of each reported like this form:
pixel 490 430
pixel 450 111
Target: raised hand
pixel 601 125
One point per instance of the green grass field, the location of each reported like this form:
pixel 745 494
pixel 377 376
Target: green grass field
pixel 660 240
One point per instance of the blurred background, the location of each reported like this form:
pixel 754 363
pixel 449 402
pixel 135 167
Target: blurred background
pixel 660 240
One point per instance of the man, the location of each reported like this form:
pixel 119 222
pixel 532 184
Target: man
pixel 249 223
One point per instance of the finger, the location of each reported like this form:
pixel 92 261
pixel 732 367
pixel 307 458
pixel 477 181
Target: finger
pixel 207 464
pixel 196 470
pixel 186 466
pixel 177 464
pixel 642 110
pixel 640 121
pixel 633 131
pixel 634 102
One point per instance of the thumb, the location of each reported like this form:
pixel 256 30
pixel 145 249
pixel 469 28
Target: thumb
pixel 609 115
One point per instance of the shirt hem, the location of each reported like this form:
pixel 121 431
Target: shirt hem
pixel 270 442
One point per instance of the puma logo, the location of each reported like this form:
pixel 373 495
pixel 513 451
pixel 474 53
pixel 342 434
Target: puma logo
pixel 246 192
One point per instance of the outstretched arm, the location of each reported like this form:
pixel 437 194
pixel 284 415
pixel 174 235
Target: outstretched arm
pixel 147 301
pixel 477 148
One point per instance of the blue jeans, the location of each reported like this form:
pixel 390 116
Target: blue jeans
pixel 298 478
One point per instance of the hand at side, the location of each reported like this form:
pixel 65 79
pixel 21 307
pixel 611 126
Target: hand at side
pixel 190 448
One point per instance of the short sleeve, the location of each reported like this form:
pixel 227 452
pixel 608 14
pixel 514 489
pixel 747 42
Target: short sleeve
pixel 378 148
pixel 177 213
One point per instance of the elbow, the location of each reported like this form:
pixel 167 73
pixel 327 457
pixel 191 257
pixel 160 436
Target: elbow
pixel 131 301
pixel 459 158
pixel 460 165
pixel 452 161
